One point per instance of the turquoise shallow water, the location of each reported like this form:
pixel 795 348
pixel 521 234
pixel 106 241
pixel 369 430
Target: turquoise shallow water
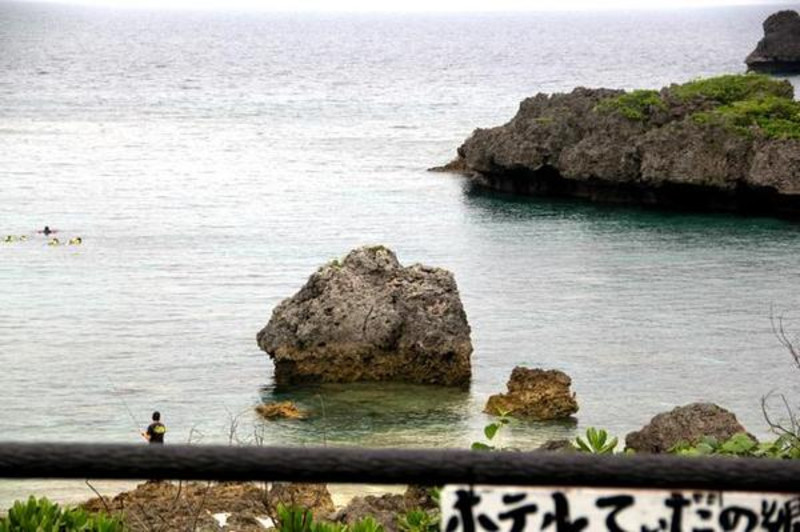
pixel 211 162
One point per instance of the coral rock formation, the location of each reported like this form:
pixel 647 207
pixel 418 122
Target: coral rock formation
pixel 779 50
pixel 729 143
pixel 687 424
pixel 535 394
pixel 368 318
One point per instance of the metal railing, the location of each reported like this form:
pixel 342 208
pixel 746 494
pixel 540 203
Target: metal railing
pixel 394 466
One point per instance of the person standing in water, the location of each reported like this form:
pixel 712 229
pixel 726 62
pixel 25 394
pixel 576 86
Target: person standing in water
pixel 156 430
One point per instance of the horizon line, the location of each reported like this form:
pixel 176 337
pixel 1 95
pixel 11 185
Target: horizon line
pixel 566 6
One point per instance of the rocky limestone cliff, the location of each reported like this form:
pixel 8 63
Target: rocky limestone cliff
pixel 368 318
pixel 728 143
pixel 779 50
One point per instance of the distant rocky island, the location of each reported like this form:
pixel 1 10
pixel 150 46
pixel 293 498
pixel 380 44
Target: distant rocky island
pixel 729 143
pixel 779 50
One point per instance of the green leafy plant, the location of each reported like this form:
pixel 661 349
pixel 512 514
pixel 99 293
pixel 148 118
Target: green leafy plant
pixel 597 442
pixel 786 446
pixel 368 524
pixel 490 431
pixel 32 515
pixel 741 444
pixel 418 520
pixel 294 519
pixel 705 446
pixel 324 526
pixel 42 515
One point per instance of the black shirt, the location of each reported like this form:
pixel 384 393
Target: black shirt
pixel 155 432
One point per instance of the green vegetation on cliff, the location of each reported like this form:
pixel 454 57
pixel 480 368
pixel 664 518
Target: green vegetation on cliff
pixel 747 104
pixel 770 116
pixel 732 88
pixel 636 105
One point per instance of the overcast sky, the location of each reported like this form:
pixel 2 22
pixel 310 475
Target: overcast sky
pixel 415 5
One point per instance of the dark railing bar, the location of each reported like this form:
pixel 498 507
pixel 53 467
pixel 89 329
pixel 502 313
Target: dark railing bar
pixel 393 466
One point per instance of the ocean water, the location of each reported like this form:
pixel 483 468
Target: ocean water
pixel 212 161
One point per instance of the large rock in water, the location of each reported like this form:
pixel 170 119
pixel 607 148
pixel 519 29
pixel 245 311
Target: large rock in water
pixel 728 143
pixel 370 319
pixel 779 50
pixel 535 394
pixel 684 424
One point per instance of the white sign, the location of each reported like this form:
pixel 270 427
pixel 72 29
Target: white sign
pixel 508 509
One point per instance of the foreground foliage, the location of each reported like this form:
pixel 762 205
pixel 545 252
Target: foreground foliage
pixel 597 442
pixel 41 515
pixel 418 521
pixel 491 431
pixel 786 446
pixel 294 519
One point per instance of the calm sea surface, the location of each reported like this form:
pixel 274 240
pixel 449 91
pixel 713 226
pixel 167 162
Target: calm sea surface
pixel 211 162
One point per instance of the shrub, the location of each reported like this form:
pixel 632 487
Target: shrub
pixel 368 524
pixel 329 527
pixel 490 431
pixel 771 116
pixel 295 519
pixel 741 444
pixel 737 445
pixel 41 515
pixel 748 104
pixel 733 88
pixel 418 521
pixel 636 105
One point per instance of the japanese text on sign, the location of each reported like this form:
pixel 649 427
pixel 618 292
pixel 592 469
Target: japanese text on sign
pixel 504 509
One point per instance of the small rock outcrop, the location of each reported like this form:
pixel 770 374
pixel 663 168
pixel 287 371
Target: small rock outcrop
pixel 421 497
pixel 556 446
pixel 730 143
pixel 367 318
pixel 314 497
pixel 280 410
pixel 779 50
pixel 186 506
pixel 535 394
pixel 684 424
pixel 384 509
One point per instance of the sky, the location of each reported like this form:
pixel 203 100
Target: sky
pixel 414 5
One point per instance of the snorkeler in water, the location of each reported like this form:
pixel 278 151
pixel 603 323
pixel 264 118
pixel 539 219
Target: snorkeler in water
pixel 10 239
